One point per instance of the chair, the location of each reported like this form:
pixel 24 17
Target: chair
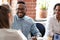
pixel 41 28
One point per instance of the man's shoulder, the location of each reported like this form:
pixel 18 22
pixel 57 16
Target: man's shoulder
pixel 29 19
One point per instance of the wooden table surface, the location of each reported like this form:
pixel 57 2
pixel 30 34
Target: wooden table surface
pixel 49 38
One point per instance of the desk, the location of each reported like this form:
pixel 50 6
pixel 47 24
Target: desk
pixel 40 38
pixel 49 38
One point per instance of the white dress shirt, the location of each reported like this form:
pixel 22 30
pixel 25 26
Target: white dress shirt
pixel 52 26
pixel 10 34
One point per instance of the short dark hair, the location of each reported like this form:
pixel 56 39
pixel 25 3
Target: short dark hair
pixel 20 2
pixel 58 4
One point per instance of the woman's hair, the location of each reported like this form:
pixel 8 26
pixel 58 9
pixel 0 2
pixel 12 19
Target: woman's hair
pixel 58 4
pixel 7 6
pixel 4 18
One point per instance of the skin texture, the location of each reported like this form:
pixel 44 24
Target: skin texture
pixel 21 10
pixel 57 12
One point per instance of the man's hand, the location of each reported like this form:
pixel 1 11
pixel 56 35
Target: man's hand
pixel 34 38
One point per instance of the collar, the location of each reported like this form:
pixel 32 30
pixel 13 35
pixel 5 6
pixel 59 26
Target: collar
pixel 55 16
pixel 21 18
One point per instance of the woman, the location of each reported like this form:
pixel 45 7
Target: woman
pixel 5 22
pixel 53 25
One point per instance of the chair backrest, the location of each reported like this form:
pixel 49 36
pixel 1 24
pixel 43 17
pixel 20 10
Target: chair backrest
pixel 41 28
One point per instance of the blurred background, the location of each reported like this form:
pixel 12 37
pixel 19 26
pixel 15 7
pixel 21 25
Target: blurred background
pixel 35 7
pixel 39 10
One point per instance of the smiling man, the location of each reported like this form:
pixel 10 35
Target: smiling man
pixel 23 22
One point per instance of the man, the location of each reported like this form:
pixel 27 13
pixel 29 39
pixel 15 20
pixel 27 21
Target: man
pixel 23 22
pixel 53 25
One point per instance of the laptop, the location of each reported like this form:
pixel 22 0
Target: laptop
pixel 56 36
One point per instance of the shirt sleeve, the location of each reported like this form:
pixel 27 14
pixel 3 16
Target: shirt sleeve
pixel 34 30
pixel 49 27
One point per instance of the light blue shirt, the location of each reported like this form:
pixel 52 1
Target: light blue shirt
pixel 26 25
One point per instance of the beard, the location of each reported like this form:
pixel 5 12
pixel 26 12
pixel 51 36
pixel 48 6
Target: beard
pixel 21 15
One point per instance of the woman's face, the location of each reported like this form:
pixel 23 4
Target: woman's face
pixel 57 12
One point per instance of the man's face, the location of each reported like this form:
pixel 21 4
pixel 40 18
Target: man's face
pixel 21 10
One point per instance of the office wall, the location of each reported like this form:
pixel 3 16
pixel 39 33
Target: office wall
pixel 31 5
